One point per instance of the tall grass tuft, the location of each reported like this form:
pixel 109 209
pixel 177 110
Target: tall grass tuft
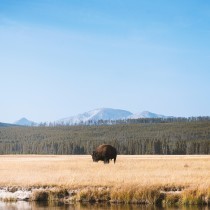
pixel 50 195
pixel 9 199
pixel 136 194
pixel 92 194
pixel 57 194
pixel 40 195
pixel 193 197
pixel 208 196
pixel 172 199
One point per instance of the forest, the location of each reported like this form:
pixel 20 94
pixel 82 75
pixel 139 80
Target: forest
pixel 168 137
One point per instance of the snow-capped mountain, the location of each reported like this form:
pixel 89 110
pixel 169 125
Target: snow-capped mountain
pixel 146 114
pixel 25 122
pixel 95 115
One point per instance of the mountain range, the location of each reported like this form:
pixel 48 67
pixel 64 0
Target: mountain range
pixel 95 115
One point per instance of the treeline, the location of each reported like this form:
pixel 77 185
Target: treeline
pixel 187 137
pixel 7 125
pixel 127 121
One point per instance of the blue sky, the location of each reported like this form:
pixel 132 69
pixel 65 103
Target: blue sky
pixel 59 58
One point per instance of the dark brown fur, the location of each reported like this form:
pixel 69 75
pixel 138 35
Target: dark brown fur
pixel 104 152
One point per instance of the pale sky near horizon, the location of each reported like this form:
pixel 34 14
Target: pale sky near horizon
pixel 59 58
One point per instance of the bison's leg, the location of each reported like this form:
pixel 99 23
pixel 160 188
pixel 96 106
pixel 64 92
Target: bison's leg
pixel 114 159
pixel 106 161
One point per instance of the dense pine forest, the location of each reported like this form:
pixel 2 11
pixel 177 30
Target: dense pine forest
pixel 183 136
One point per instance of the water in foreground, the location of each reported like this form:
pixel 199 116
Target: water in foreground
pixel 22 205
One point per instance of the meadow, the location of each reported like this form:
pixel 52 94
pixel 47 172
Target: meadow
pixel 135 179
pixel 79 170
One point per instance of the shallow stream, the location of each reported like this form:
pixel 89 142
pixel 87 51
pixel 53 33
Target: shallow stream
pixel 22 205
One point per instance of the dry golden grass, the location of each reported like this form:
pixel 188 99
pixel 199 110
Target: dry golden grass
pixel 78 171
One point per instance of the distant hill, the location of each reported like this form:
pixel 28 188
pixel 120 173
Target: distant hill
pixel 191 136
pixel 106 114
pixel 95 115
pixel 147 114
pixel 6 125
pixel 25 122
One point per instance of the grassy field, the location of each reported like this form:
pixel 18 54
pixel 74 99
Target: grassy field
pixel 36 170
pixel 130 172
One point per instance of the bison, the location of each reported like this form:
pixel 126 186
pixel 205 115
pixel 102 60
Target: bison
pixel 104 152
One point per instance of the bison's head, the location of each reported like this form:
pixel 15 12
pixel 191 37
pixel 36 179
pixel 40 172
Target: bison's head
pixel 94 156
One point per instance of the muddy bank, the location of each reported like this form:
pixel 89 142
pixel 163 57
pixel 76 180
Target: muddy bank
pixel 127 195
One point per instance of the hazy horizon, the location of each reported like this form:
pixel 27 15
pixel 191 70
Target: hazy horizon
pixel 62 58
